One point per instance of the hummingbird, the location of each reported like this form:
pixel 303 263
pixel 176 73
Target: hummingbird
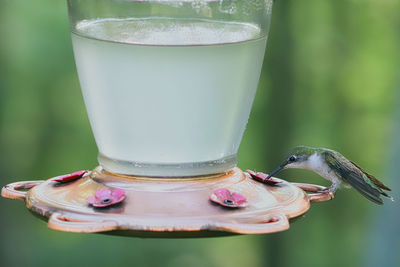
pixel 334 167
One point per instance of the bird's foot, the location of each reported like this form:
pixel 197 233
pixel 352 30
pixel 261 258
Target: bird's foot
pixel 327 190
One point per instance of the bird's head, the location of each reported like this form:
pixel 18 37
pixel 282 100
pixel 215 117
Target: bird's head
pixel 297 158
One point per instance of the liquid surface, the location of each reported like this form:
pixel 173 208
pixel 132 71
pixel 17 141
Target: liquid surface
pixel 162 31
pixel 167 97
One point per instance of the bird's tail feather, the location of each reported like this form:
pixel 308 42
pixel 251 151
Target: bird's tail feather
pixel 388 196
pixel 366 190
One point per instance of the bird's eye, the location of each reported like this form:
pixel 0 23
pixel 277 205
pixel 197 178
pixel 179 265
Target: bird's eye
pixel 292 158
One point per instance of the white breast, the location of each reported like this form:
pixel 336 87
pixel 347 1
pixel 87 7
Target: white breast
pixel 317 164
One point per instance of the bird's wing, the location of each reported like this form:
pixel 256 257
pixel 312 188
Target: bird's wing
pixel 372 178
pixel 355 179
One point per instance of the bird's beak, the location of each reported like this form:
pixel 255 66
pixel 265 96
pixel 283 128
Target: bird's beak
pixel 275 171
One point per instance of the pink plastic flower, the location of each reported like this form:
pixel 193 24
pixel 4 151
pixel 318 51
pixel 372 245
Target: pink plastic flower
pixel 69 177
pixel 225 198
pixel 106 197
pixel 262 177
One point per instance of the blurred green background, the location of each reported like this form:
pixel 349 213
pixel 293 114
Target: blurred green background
pixel 331 78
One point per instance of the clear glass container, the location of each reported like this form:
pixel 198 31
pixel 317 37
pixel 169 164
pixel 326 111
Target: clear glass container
pixel 169 85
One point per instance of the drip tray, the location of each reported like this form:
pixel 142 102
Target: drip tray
pixel 163 207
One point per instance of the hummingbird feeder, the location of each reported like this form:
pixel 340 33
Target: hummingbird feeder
pixel 168 86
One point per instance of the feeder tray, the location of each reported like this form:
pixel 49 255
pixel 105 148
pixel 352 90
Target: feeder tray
pixel 166 207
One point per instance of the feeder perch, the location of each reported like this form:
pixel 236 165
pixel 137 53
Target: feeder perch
pixel 166 207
